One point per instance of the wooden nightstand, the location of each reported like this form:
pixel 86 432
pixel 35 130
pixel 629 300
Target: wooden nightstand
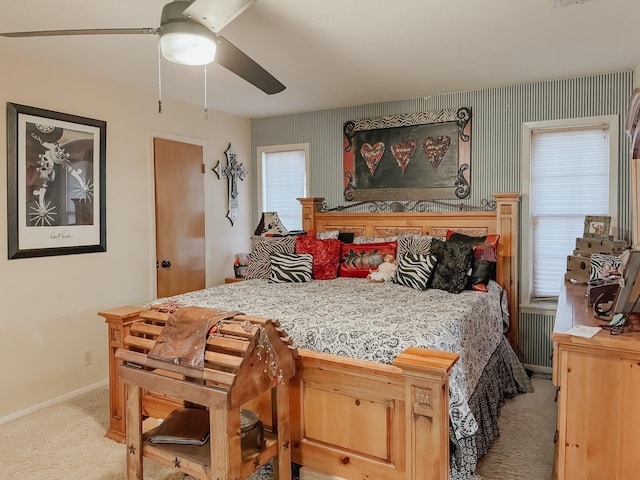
pixel 233 280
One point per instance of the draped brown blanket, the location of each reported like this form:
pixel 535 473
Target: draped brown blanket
pixel 184 337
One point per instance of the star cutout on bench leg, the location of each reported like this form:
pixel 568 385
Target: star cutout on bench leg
pixel 176 462
pixel 132 449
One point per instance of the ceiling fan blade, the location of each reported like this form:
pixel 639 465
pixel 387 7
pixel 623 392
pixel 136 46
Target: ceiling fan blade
pixel 216 14
pixel 236 61
pixel 88 31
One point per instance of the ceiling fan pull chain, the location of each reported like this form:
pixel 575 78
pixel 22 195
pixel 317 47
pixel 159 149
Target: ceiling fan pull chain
pixel 206 114
pixel 159 77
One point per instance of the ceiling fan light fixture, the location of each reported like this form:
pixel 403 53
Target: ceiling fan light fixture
pixel 187 43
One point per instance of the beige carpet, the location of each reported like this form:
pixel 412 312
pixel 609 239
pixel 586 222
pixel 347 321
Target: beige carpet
pixel 66 442
pixel 524 450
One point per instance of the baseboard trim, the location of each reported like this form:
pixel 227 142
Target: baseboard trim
pixel 538 368
pixel 53 401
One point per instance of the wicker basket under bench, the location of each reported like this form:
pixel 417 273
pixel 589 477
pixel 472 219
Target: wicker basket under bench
pixel 244 359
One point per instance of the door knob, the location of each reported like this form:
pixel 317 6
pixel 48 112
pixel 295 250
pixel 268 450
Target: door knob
pixel 165 264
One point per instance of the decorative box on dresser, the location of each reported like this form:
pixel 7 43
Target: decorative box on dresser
pixel 599 394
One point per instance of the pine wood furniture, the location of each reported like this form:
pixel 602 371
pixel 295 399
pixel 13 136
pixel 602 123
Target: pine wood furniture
pixel 245 358
pixel 599 387
pixel 233 279
pixel 358 419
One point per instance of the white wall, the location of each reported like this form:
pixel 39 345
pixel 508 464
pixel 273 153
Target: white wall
pixel 49 305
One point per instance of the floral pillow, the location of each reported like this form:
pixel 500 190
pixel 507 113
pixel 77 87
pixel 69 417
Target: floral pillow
pixel 454 261
pixel 364 239
pixel 357 260
pixel 326 255
pixel 326 234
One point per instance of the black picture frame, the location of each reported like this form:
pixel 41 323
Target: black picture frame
pixel 417 156
pixel 56 183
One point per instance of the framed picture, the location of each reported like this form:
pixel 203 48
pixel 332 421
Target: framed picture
pixel 596 227
pixel 55 183
pixel 418 156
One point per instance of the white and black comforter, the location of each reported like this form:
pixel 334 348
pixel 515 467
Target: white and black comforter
pixel 377 321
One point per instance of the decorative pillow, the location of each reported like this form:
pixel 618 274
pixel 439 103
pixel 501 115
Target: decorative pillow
pixel 414 244
pixel 326 255
pixel 357 260
pixel 346 237
pixel 362 239
pixel 291 267
pixel 454 261
pixel 261 249
pixel 415 271
pixel 327 234
pixel 483 265
pixel 603 266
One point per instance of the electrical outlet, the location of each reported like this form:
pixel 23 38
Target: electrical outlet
pixel 88 358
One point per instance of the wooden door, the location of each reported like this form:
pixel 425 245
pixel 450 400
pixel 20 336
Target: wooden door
pixel 180 245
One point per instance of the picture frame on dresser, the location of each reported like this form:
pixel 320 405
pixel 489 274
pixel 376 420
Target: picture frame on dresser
pixel 56 183
pixel 597 226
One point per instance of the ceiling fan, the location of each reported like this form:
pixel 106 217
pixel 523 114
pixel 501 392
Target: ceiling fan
pixel 189 35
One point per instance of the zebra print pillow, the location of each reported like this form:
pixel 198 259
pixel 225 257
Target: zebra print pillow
pixel 414 244
pixel 415 271
pixel 602 266
pixel 291 267
pixel 261 249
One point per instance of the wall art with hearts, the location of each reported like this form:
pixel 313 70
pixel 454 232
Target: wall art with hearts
pixel 418 156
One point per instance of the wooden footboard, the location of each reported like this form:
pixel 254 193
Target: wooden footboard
pixel 357 419
pixel 350 418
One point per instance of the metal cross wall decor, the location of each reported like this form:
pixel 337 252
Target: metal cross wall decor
pixel 233 172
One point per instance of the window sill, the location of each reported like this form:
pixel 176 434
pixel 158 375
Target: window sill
pixel 546 307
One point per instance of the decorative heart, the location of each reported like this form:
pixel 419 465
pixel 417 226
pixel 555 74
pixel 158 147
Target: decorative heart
pixel 403 152
pixel 372 155
pixel 435 149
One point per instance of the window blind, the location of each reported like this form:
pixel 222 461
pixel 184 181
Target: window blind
pixel 283 181
pixel 569 180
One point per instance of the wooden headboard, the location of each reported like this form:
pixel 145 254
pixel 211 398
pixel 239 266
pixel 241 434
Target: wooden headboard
pixel 503 221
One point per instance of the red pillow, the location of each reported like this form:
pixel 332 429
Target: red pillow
pixel 358 259
pixel 326 255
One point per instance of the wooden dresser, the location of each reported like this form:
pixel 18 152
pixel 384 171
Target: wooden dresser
pixel 598 411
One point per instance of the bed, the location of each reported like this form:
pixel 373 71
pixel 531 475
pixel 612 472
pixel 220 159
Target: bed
pixel 381 391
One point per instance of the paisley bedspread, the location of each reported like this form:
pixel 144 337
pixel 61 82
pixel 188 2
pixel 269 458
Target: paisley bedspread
pixel 377 321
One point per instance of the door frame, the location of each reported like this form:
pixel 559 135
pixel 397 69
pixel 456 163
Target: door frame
pixel 153 287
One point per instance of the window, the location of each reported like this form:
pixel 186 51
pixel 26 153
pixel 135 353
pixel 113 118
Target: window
pixel 282 173
pixel 569 172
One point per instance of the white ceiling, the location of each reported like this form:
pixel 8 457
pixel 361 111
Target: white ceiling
pixel 334 53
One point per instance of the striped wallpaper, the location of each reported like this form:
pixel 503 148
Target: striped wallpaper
pixel 498 114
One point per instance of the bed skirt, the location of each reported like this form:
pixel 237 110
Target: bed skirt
pixel 503 377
